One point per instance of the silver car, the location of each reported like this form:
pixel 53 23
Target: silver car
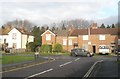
pixel 80 52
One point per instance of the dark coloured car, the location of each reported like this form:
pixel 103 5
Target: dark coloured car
pixel 80 52
pixel 8 50
pixel 117 51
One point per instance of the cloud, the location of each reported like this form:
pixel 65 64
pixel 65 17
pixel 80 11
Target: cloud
pixel 108 21
pixel 46 12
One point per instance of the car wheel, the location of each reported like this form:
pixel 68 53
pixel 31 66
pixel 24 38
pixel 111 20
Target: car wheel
pixel 88 55
pixel 73 54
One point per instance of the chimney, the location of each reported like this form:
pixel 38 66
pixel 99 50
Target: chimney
pixel 94 26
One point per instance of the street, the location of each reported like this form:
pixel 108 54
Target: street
pixel 61 66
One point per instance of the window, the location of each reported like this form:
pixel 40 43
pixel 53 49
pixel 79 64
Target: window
pixel 14 36
pixel 118 41
pixel 85 37
pixel 0 40
pixel 14 45
pixel 103 47
pixel 4 41
pixel 48 36
pixel 70 41
pixel 75 45
pixel 64 41
pixel 101 37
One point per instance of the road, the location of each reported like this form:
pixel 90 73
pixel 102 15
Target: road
pixel 61 66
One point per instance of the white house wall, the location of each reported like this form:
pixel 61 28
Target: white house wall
pixel 17 40
pixel 31 39
pixel 2 37
pixel 24 41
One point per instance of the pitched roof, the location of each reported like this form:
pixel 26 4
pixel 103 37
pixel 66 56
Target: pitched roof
pixel 77 32
pixel 58 32
pixel 4 31
pixel 47 31
pixel 61 32
pixel 23 31
pixel 112 31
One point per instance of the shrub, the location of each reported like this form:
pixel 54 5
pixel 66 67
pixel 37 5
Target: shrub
pixel 57 47
pixel 30 47
pixel 46 48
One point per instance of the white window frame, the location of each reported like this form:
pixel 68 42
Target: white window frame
pixel 101 37
pixel 14 36
pixel 85 37
pixel 118 41
pixel 64 41
pixel 48 37
pixel 70 41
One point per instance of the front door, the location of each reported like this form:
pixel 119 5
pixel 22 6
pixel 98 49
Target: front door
pixel 94 49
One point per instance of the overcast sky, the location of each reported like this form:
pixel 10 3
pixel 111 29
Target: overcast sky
pixel 49 11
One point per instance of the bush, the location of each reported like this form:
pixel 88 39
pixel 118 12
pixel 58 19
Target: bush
pixel 30 47
pixel 46 48
pixel 57 47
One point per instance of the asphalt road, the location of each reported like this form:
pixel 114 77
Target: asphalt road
pixel 62 66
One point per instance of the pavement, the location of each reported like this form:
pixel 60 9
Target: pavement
pixel 108 68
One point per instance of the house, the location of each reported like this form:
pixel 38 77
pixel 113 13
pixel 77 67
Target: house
pixel 90 38
pixel 16 38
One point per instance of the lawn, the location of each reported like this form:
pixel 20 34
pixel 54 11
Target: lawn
pixel 9 59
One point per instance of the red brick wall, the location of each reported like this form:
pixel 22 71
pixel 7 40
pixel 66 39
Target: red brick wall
pixel 74 40
pixel 59 39
pixel 94 39
pixel 52 41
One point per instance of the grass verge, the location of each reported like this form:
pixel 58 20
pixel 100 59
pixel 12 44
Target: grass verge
pixel 10 59
pixel 54 53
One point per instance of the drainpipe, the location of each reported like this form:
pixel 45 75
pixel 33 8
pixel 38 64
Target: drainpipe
pixel 89 43
pixel 21 40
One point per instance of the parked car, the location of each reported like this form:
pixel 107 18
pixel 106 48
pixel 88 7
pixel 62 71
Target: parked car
pixel 80 52
pixel 103 49
pixel 117 51
pixel 8 50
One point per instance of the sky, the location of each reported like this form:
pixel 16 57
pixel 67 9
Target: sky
pixel 51 11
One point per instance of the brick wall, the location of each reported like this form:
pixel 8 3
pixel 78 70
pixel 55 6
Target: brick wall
pixel 93 41
pixel 51 42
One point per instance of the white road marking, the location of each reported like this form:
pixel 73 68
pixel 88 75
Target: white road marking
pixel 65 63
pixel 77 59
pixel 90 70
pixel 39 73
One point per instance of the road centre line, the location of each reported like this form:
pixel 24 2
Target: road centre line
pixel 39 73
pixel 65 64
pixel 77 59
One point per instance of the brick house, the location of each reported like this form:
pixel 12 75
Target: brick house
pixel 89 38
